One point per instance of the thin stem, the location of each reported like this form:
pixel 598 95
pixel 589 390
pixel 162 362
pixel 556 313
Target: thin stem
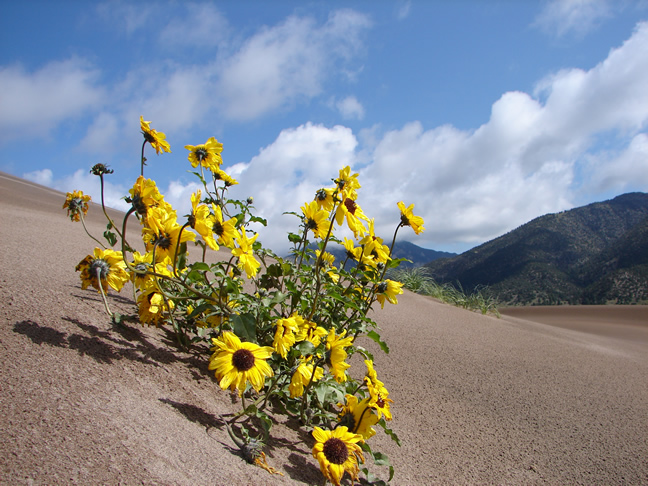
pixel 88 233
pixel 143 159
pixel 103 206
pixel 103 295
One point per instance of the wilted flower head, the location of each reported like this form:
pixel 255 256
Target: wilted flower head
pixel 77 204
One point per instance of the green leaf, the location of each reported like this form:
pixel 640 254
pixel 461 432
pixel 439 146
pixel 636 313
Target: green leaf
pixel 294 238
pixel 244 326
pixel 389 431
pixel 110 236
pixel 381 459
pixel 305 348
pixel 200 266
pixel 256 219
pixel 376 337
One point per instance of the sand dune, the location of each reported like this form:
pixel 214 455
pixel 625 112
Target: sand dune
pixel 526 399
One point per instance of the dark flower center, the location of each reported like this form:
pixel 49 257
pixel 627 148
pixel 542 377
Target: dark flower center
pixel 350 205
pixel 102 265
pixel 201 153
pixel 162 241
pixel 321 195
pixel 336 451
pixel 141 268
pixel 75 205
pixel 311 224
pixel 243 359
pixel 218 228
pixel 380 401
pixel 382 287
pixel 404 220
pixel 138 204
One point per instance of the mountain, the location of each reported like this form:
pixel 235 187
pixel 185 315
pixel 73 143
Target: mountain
pixel 593 254
pixel 402 249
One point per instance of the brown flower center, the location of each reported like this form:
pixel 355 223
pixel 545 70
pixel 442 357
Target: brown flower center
pixel 243 359
pixel 336 451
pixel 350 205
pixel 218 228
pixel 162 241
pixel 201 153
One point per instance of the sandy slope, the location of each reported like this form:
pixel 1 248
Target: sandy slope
pixel 477 400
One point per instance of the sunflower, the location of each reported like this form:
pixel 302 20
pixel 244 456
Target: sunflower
pixel 152 307
pixel 336 355
pixel 284 338
pixel 221 175
pixel 302 376
pixel 353 213
pixel 236 363
pixel 144 195
pixel 408 218
pixel 325 199
pixel 337 452
pixel 106 266
pixel 225 230
pixel 374 246
pixel 156 139
pixel 208 154
pixel 379 396
pixel 316 220
pixel 356 253
pixel 358 417
pixel 245 254
pixel 199 219
pixel 77 204
pixel 346 182
pixel 310 331
pixel 388 290
pixel 163 232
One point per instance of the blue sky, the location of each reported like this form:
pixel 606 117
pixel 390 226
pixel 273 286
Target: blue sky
pixel 484 114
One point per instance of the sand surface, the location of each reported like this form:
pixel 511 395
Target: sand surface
pixel 531 398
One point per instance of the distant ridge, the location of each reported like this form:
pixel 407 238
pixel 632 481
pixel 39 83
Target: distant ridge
pixel 402 249
pixel 595 254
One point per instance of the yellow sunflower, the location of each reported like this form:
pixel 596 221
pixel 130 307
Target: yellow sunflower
pixel 236 363
pixel 346 182
pixel 221 175
pixel 388 290
pixel 163 232
pixel 245 254
pixel 316 220
pixel 303 376
pixel 77 204
pixel 152 307
pixel 324 198
pixel 353 213
pixel 408 218
pixel 309 331
pixel 336 355
pixel 106 266
pixel 379 396
pixel 208 154
pixel 225 230
pixel 284 338
pixel 144 195
pixel 358 417
pixel 337 452
pixel 155 138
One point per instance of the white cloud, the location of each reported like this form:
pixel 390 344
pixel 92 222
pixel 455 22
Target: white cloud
pixel 286 174
pixel 33 104
pixel 125 15
pixel 84 181
pixel 286 64
pixel 203 26
pixel 350 108
pixel 620 172
pixel 43 177
pixel 562 17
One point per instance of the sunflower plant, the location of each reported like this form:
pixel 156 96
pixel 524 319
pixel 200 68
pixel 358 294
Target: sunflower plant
pixel 279 332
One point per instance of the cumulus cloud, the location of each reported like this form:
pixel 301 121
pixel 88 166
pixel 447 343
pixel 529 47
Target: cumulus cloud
pixel 471 186
pixel 287 63
pixel 32 104
pixel 578 17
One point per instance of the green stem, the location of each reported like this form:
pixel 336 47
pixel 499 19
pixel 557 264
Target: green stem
pixel 88 233
pixel 143 163
pixel 103 295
